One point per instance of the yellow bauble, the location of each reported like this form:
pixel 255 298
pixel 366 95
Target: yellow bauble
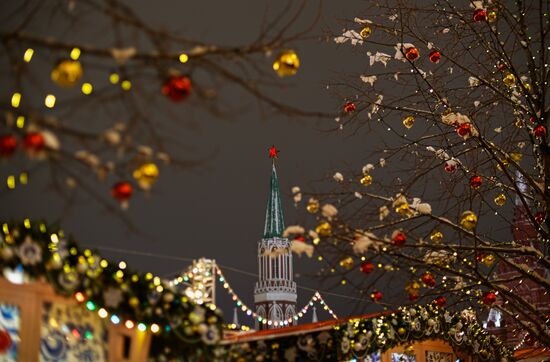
pixel 436 236
pixel 492 16
pixel 516 156
pixel 527 87
pixel 286 63
pixel 402 208
pixel 146 175
pixel 366 180
pixel 408 121
pixel 413 287
pixel 67 73
pixel 312 206
pixel 409 350
pixel 500 199
pixel 509 79
pixel 323 229
pixel 401 331
pixel 365 32
pixel 347 263
pixel 488 259
pixel 468 220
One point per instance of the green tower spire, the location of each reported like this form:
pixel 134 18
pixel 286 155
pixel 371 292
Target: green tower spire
pixel 274 222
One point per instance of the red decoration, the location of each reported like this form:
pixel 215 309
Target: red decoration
pixel 539 131
pixel 480 15
pixel 413 297
pixel 349 107
pixel 435 56
pixel 367 267
pixel 5 341
pixel 464 130
pixel 122 191
pixel 539 217
pixel 177 87
pixel 273 152
pixel 475 182
pixel 502 66
pixel 300 238
pixel 480 257
pixel 376 296
pixel 399 238
pixel 412 53
pixel 440 301
pixel 428 279
pixel 34 142
pixel 489 298
pixel 8 144
pixel 450 166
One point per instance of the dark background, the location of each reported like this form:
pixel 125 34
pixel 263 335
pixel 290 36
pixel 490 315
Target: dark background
pixel 217 211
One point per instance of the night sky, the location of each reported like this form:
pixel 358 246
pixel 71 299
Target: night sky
pixel 217 210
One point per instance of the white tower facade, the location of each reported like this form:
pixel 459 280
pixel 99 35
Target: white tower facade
pixel 275 291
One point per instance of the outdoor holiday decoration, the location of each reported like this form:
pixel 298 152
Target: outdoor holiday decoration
pixel 286 63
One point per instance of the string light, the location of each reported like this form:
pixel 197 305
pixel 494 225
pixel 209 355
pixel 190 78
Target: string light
pixel 184 58
pixel 49 101
pixel 87 88
pixel 15 100
pixel 27 57
pixel 20 122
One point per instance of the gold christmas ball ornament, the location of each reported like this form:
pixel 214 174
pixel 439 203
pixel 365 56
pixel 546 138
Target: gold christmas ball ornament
pixel 401 331
pixel 286 63
pixel 488 259
pixel 509 79
pixel 146 175
pixel 408 122
pixel 412 287
pixel 436 236
pixel 365 32
pixel 492 16
pixel 347 263
pixel 500 199
pixel 366 180
pixel 312 206
pixel 468 220
pixel 324 229
pixel 67 73
pixel 402 208
pixel 409 350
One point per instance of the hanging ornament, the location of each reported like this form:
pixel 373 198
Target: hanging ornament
pixel 409 351
pixel 516 156
pixel 286 63
pixel 399 238
pixel 67 73
pixel 367 267
pixel 428 279
pixel 539 217
pixel 492 16
pixel 539 131
pixel 349 107
pixel 500 199
pixel 366 180
pixel 402 208
pixel 34 142
pixel 122 191
pixel 376 296
pixel 436 237
pixel 5 342
pixel 450 166
pixel 489 298
pixel 468 220
pixel 509 79
pixel 408 122
pixel 8 145
pixel 146 175
pixel 475 182
pixel 412 53
pixel 312 206
pixel 177 87
pixel 323 229
pixel 480 15
pixel 365 32
pixel 435 56
pixel 464 130
pixel 346 263
pixel 440 301
pixel 488 259
pixel 413 288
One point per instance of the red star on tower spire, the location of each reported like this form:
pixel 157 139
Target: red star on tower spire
pixel 273 152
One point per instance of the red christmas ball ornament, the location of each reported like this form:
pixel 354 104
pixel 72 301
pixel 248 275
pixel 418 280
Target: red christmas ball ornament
pixel 349 107
pixel 300 238
pixel 480 257
pixel 122 191
pixel 539 131
pixel 480 15
pixel 413 297
pixel 464 130
pixel 177 87
pixel 428 279
pixel 440 301
pixel 34 142
pixel 539 217
pixel 367 267
pixel 489 298
pixel 8 144
pixel 399 238
pixel 376 296
pixel 5 341
pixel 450 166
pixel 411 53
pixel 434 56
pixel 475 182
pixel 501 66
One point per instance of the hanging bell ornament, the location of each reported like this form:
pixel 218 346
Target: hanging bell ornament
pixel 286 63
pixel 67 73
pixel 475 182
pixel 365 32
pixel 366 180
pixel 500 199
pixel 434 56
pixel 509 79
pixel 323 229
pixel 436 237
pixel 412 53
pixel 346 263
pixel 312 206
pixel 146 175
pixel 408 121
pixel 480 15
pixel 468 220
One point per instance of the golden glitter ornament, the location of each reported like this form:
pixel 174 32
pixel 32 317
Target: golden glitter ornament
pixel 492 16
pixel 365 32
pixel 402 208
pixel 468 220
pixel 312 206
pixel 366 180
pixel 509 79
pixel 500 199
pixel 519 123
pixel 488 259
pixel 347 263
pixel 286 63
pixel 408 121
pixel 146 175
pixel 409 350
pixel 436 236
pixel 67 73
pixel 412 287
pixel 323 229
